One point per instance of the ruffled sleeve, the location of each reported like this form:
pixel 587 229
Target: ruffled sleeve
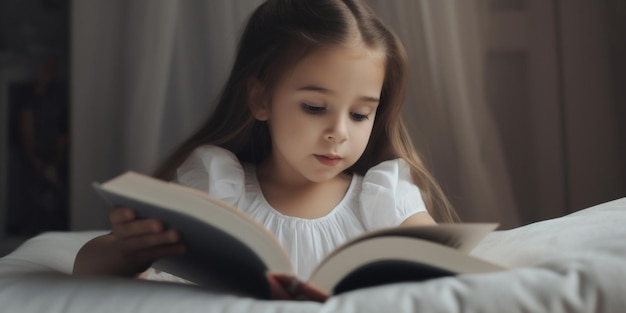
pixel 215 171
pixel 389 196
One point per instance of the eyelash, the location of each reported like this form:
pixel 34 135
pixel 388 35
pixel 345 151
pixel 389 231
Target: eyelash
pixel 314 109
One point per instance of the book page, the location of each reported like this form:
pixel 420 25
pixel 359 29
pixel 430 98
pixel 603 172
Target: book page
pixel 462 236
pixel 440 261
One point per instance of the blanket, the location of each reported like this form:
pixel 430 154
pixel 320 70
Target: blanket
pixel 574 263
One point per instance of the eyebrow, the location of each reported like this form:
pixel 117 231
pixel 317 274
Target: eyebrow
pixel 328 91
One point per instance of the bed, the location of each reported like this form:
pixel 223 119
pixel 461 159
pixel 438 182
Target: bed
pixel 575 263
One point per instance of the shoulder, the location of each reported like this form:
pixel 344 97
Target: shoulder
pixel 394 176
pixel 389 173
pixel 388 195
pixel 210 152
pixel 214 170
pixel 208 159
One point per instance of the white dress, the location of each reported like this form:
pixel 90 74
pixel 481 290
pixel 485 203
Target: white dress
pixel 384 197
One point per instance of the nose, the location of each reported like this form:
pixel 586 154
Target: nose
pixel 337 130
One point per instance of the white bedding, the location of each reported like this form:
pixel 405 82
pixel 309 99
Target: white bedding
pixel 576 263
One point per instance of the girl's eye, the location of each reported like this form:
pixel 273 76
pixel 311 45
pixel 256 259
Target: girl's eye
pixel 313 109
pixel 359 117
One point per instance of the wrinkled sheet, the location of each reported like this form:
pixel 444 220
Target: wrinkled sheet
pixel 575 263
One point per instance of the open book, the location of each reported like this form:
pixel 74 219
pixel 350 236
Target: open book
pixel 229 250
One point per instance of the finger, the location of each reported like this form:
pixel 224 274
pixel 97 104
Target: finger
pixel 277 290
pixel 298 290
pixel 149 241
pixel 137 228
pixel 119 215
pixel 309 292
pixel 286 281
pixel 144 258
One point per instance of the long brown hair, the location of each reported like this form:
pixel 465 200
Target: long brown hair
pixel 279 33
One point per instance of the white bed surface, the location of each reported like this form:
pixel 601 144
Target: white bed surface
pixel 576 263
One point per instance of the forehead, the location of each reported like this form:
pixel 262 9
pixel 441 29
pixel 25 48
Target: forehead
pixel 344 65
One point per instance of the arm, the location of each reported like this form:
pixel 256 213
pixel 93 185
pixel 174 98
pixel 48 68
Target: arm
pixel 129 249
pixel 422 218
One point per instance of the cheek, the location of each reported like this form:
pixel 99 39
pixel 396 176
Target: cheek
pixel 361 137
pixel 291 122
pixel 365 137
pixel 290 128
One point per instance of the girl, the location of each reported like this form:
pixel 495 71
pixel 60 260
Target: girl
pixel 307 138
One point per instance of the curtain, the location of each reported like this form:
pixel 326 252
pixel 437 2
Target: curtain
pixel 446 110
pixel 145 73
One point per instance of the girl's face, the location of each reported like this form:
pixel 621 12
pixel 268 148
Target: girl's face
pixel 322 112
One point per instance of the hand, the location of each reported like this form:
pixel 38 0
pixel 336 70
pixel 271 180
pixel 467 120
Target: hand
pixel 129 249
pixel 141 242
pixel 284 287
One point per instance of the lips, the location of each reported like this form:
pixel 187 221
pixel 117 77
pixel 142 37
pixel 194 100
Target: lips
pixel 328 159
